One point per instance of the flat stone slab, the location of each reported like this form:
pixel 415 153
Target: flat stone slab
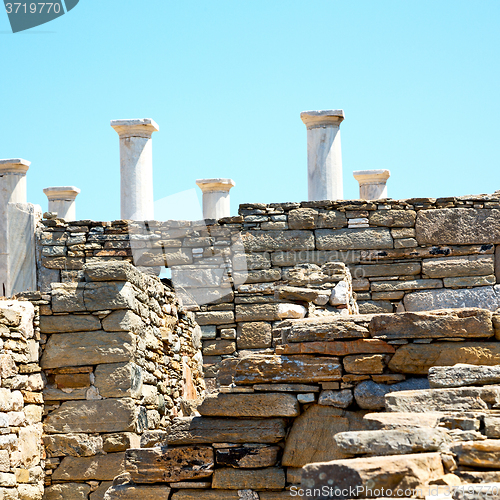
pixel 392 442
pixel 97 468
pixel 457 226
pixel 359 475
pixel 484 297
pixel 69 323
pixel 250 405
pixel 266 241
pixel 165 465
pixel 481 454
pixel 464 265
pixel 198 430
pixel 457 399
pixel 261 369
pixel 337 348
pixel 322 329
pixel 131 491
pixel 461 375
pixel 394 421
pixel 270 478
pixel 467 323
pixel 192 494
pixel 417 359
pixel 353 239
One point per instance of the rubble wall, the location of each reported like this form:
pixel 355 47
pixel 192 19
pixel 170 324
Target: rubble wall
pixel 21 403
pixel 119 358
pixel 414 254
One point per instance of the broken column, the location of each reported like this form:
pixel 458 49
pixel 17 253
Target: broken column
pixel 62 201
pixel 324 156
pixel 372 183
pixel 136 167
pixel 215 197
pixel 17 229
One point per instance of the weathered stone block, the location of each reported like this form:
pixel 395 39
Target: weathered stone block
pixel 122 321
pixel 302 218
pixel 484 297
pixel 113 270
pixel 271 478
pixel 250 405
pixel 90 348
pixel 311 437
pixel 481 454
pixel 196 430
pixel 375 307
pixel 337 348
pixel 215 318
pixel 120 441
pixel 370 270
pixel 338 399
pixel 265 241
pixel 69 323
pixel 163 465
pixel 67 491
pixel 106 415
pixel 258 369
pixel 119 380
pixel 393 218
pixel 418 358
pixel 363 475
pixel 76 445
pixel 131 491
pixel 67 297
pixel 332 219
pixel 100 468
pixel 109 295
pixel 353 239
pixel 364 363
pixel 461 375
pixel 257 312
pixel 254 335
pixel 466 265
pixel 218 347
pixel 458 226
pixel 437 324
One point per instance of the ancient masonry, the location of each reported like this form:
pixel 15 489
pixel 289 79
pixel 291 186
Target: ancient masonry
pixel 325 349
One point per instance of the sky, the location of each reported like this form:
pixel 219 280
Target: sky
pixel 226 81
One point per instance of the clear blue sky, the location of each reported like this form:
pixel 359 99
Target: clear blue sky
pixel 227 80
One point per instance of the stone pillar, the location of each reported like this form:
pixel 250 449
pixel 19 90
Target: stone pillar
pixel 324 156
pixel 13 181
pixel 62 201
pixel 136 167
pixel 372 183
pixel 215 197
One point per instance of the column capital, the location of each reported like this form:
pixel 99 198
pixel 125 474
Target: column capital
pixel 208 185
pixel 322 118
pixel 371 176
pixel 14 166
pixel 140 127
pixel 61 192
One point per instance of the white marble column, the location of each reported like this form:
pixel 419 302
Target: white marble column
pixel 215 197
pixel 62 201
pixel 372 183
pixel 136 167
pixel 324 155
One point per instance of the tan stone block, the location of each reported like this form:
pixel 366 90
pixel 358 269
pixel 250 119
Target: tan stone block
pixel 364 364
pixel 271 478
pixel 247 456
pixel 479 454
pixel 97 468
pixel 418 358
pixel 76 445
pixel 122 321
pixel 265 241
pixel 67 297
pixel 371 270
pixel 99 493
pixel 107 415
pixel 192 494
pixel 130 491
pixel 257 312
pixel 258 369
pixel 353 239
pixel 215 318
pixel 393 218
pixel 71 381
pixel 302 218
pixel 254 335
pixel 8 367
pixel 30 444
pixel 469 281
pixel 65 323
pixel 218 347
pixel 118 380
pixel 155 465
pixel 337 348
pixel 452 267
pixel 4 461
pixel 250 405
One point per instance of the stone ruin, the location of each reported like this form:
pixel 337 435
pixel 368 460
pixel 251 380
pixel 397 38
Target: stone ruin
pixel 323 349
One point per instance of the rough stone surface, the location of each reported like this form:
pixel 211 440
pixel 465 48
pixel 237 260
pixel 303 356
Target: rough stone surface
pixel 250 405
pixel 194 430
pixel 437 324
pixel 457 226
pixel 416 359
pixel 265 241
pixel 311 329
pixel 118 380
pixel 337 348
pixel 461 375
pixel 271 478
pixel 392 421
pixel 254 335
pixel 100 468
pixel 338 399
pixel 68 491
pixel 247 456
pixel 465 265
pixel 311 438
pixel 482 454
pixel 130 491
pixel 364 364
pixel 393 472
pixel 69 323
pixel 353 239
pixel 160 465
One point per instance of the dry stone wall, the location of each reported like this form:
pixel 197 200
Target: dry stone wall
pixel 119 357
pixel 21 403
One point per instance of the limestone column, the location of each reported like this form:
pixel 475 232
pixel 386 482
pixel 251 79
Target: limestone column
pixel 372 183
pixel 136 167
pixel 62 201
pixel 324 155
pixel 215 197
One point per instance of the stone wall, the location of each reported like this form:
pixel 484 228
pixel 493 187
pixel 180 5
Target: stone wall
pixel 21 404
pixel 119 358
pixel 274 414
pixel 415 254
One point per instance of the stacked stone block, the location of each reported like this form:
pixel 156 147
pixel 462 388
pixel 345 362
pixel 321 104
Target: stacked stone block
pixel 21 404
pixel 119 358
pixel 277 413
